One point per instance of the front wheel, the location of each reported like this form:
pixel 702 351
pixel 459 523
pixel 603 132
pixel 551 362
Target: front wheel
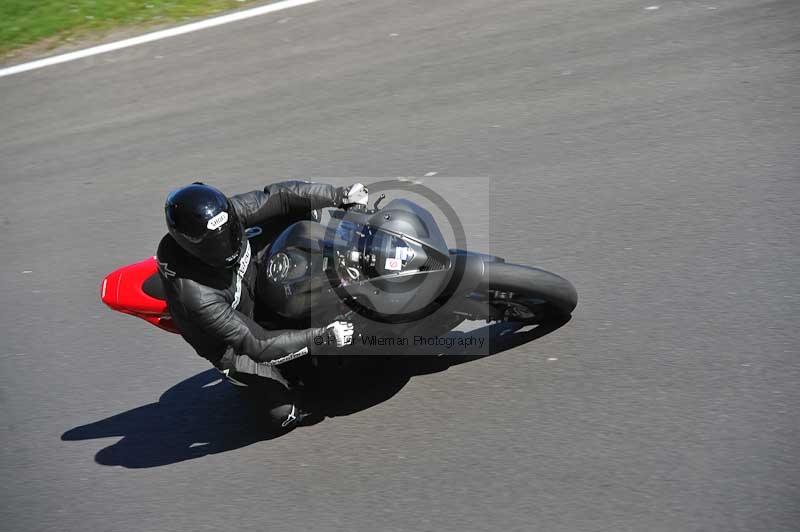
pixel 511 292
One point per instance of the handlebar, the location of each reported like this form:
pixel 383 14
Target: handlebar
pixel 355 207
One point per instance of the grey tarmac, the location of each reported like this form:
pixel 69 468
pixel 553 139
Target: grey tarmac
pixel 648 155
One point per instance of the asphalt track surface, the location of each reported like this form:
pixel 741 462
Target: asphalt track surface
pixel 650 156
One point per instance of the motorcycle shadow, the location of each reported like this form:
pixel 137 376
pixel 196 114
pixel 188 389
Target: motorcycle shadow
pixel 205 415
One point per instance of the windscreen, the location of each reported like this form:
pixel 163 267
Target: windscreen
pixel 364 252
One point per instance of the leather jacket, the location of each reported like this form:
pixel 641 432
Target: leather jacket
pixel 213 308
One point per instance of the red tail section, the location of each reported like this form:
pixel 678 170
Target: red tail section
pixel 136 290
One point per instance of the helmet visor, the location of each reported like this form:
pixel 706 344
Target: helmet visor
pixel 221 247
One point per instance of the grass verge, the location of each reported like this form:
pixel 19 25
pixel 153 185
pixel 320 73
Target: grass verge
pixel 52 22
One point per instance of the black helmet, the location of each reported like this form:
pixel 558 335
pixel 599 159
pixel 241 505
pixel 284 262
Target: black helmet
pixel 201 219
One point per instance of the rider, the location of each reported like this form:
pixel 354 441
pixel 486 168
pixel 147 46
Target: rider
pixel 209 275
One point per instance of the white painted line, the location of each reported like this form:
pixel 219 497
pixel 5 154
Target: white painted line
pixel 155 36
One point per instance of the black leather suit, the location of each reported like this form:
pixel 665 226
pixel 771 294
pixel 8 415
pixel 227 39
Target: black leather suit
pixel 214 308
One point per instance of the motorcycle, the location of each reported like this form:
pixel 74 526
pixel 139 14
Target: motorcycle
pixel 388 270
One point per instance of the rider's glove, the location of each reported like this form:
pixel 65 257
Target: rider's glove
pixel 354 194
pixel 341 332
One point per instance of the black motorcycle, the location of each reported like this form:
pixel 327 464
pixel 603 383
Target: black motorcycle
pixel 388 270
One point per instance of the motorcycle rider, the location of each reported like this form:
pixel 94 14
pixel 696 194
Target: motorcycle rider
pixel 209 275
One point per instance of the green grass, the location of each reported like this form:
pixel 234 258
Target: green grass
pixel 27 22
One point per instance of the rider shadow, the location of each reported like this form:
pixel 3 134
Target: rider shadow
pixel 198 416
pixel 205 415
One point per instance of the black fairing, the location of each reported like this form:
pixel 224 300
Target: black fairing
pixel 391 263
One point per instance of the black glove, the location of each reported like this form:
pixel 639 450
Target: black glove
pixel 340 333
pixel 354 194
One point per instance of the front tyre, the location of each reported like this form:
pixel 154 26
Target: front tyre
pixel 524 294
